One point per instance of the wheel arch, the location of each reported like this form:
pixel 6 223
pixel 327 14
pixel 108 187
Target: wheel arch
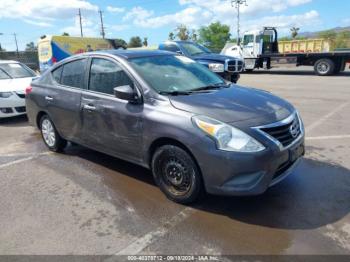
pixel 162 141
pixel 38 118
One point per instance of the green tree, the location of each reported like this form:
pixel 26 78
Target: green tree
pixel 295 31
pixel 182 32
pixel 65 34
pixel 31 47
pixel 120 43
pixel 171 36
pixel 214 36
pixel 328 34
pixel 145 41
pixel 342 40
pixel 135 41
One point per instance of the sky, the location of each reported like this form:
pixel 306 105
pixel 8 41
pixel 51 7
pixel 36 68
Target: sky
pixel 154 19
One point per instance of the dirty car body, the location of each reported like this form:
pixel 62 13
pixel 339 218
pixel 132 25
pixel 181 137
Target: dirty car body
pixel 230 140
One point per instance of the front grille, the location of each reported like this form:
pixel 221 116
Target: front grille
pixel 285 133
pixel 21 95
pixel 282 168
pixel 20 109
pixel 234 65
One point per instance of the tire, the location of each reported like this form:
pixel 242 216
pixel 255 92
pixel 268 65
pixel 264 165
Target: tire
pixel 324 67
pixel 50 135
pixel 177 174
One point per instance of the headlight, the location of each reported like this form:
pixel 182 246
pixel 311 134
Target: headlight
pixel 217 67
pixel 5 94
pixel 227 138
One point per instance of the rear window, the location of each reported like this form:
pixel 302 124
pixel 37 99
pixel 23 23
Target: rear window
pixel 17 70
pixel 73 73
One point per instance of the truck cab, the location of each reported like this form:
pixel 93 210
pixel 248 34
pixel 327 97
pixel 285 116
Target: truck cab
pixel 226 66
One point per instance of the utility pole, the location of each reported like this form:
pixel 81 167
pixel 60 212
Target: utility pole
pixel 237 4
pixel 14 34
pixel 81 25
pixel 102 26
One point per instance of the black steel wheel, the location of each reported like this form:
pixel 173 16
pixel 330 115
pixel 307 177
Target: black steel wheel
pixel 176 174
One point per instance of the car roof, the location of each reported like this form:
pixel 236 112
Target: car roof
pixel 127 54
pixel 8 61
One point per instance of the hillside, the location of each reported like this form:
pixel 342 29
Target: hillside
pixel 315 34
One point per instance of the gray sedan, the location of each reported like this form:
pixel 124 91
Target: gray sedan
pixel 196 132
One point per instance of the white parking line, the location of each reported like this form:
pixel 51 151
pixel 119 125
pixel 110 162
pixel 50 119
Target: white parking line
pixel 324 118
pixel 24 159
pixel 327 137
pixel 142 242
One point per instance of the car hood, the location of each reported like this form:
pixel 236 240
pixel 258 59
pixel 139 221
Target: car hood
pixel 235 104
pixel 213 57
pixel 15 84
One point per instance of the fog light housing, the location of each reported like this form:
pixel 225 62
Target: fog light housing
pixel 6 110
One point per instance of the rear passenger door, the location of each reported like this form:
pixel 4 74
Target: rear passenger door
pixel 63 98
pixel 111 125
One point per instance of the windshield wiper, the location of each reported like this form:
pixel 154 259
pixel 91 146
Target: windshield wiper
pixel 175 93
pixel 211 87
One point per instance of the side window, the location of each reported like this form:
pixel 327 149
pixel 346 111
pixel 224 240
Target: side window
pixel 73 73
pixel 56 74
pixel 105 75
pixel 171 48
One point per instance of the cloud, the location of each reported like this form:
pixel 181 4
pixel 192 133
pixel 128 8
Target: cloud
pixel 40 12
pixel 118 28
pixel 193 16
pixel 90 28
pixel 196 13
pixel 113 9
pixel 38 23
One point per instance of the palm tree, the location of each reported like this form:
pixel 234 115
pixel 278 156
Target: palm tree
pixel 294 31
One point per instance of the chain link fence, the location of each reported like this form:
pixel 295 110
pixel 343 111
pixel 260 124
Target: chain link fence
pixel 29 58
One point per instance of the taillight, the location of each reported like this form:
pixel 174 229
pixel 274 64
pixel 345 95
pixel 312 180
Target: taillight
pixel 28 90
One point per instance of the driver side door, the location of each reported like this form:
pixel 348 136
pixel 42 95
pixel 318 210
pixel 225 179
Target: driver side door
pixel 111 125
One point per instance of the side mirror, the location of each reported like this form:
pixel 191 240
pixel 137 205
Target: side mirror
pixel 179 52
pixel 126 93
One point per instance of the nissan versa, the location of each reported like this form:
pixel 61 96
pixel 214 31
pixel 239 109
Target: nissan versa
pixel 196 132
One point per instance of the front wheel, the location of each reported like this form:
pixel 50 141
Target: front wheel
pixel 50 135
pixel 176 174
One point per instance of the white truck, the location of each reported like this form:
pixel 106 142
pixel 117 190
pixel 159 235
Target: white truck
pixel 260 49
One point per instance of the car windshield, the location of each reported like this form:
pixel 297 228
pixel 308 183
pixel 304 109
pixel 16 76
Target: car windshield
pixel 171 74
pixel 195 49
pixel 16 70
pixel 3 75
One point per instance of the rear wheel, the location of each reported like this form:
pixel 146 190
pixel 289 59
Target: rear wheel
pixel 176 174
pixel 324 67
pixel 50 135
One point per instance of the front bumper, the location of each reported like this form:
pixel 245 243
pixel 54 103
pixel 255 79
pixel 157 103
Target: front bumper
pixel 233 77
pixel 12 106
pixel 239 174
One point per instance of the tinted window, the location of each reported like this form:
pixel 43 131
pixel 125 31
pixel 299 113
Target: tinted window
pixel 73 73
pixel 57 74
pixel 248 39
pixel 106 75
pixel 195 49
pixel 16 70
pixel 171 48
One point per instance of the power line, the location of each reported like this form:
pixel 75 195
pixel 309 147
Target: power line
pixel 237 4
pixel 102 26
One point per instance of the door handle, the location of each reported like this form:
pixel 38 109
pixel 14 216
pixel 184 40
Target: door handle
pixel 89 107
pixel 48 98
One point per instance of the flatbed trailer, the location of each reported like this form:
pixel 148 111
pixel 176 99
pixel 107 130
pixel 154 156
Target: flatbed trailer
pixel 325 63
